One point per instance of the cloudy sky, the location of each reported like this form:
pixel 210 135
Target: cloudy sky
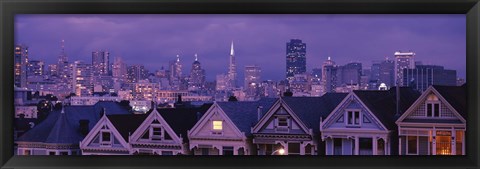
pixel 153 40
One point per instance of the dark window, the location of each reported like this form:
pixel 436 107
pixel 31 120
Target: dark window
pixel 205 151
pixel 64 153
pixel 167 153
pixel 156 133
pixel 293 148
pixel 52 153
pixel 412 144
pixel 282 121
pixel 353 118
pixel 436 110
pixel 146 135
pixel 337 146
pixel 105 136
pixel 429 110
pixel 227 150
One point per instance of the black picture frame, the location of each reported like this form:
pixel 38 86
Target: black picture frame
pixel 8 9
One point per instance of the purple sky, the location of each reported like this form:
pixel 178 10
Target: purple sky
pixel 153 40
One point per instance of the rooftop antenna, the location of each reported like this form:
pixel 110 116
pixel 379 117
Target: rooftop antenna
pixel 196 57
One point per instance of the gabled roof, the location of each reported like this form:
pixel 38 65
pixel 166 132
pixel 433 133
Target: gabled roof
pixel 55 125
pixel 310 109
pixel 126 124
pixel 183 119
pixel 456 96
pixel 244 114
pixel 383 103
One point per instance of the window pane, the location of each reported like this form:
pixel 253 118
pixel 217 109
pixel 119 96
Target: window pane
pixel 217 125
pixel 436 110
pixel 337 146
pixel 282 121
pixel 293 148
pixel 357 117
pixel 429 110
pixel 459 142
pixel 412 144
pixel 350 117
pixel 227 150
pixel 105 136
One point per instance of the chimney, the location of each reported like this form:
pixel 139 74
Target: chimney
pixel 84 127
pixel 259 112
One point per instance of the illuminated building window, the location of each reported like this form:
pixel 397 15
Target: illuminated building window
pixel 217 125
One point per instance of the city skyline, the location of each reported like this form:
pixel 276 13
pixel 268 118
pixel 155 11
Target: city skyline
pixel 164 36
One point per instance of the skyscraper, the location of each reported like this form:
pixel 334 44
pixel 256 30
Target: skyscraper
pixel 21 63
pixel 35 68
pixel 252 80
pixel 403 60
pixel 329 76
pixel 136 73
pixel 63 69
pixel 101 63
pixel 176 73
pixel 197 75
pixel 82 78
pixel 119 69
pixel 350 73
pixel 423 76
pixel 387 73
pixel 296 59
pixel 232 70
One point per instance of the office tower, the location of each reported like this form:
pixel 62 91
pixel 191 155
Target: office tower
pixel 222 81
pixel 316 75
pixel 175 73
pixel 296 58
pixel 136 73
pixel 63 68
pixel 119 69
pixel 82 78
pixel 232 70
pixel 21 63
pixel 350 74
pixel 387 73
pixel 329 76
pixel 252 80
pixel 101 63
pixel 52 70
pixel 197 75
pixel 423 76
pixel 403 60
pixel 35 68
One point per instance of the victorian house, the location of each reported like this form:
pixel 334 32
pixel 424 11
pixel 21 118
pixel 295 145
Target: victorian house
pixel 435 124
pixel 225 129
pixel 364 122
pixel 158 132
pixel 63 129
pixel 292 125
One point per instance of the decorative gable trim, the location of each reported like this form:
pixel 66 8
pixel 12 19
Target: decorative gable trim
pixel 339 111
pixel 277 106
pixel 213 110
pixel 101 125
pixel 422 100
pixel 151 118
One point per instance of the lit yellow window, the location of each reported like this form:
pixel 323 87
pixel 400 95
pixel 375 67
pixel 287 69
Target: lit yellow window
pixel 217 125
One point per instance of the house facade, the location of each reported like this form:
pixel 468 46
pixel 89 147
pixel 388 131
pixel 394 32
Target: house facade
pixel 435 124
pixel 62 130
pixel 292 126
pixel 225 128
pixel 362 123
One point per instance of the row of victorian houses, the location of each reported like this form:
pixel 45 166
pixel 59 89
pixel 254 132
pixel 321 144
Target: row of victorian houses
pixel 399 121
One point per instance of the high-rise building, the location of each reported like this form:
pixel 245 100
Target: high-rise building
pixel 101 63
pixel 232 70
pixel 197 75
pixel 329 76
pixel 35 68
pixel 403 60
pixel 296 58
pixel 82 78
pixel 423 76
pixel 136 73
pixel 119 69
pixel 252 80
pixel 176 73
pixel 221 82
pixel 387 73
pixel 350 74
pixel 316 75
pixel 21 63
pixel 63 68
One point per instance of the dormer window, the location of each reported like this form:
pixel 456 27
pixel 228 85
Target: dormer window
pixel 353 118
pixel 282 124
pixel 156 132
pixel 105 138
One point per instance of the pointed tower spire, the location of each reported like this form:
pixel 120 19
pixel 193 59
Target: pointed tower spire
pixel 232 52
pixel 196 57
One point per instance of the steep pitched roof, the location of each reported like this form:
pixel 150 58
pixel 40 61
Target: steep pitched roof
pixel 310 109
pixel 245 114
pixel 57 128
pixel 455 96
pixel 383 103
pixel 183 119
pixel 126 124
